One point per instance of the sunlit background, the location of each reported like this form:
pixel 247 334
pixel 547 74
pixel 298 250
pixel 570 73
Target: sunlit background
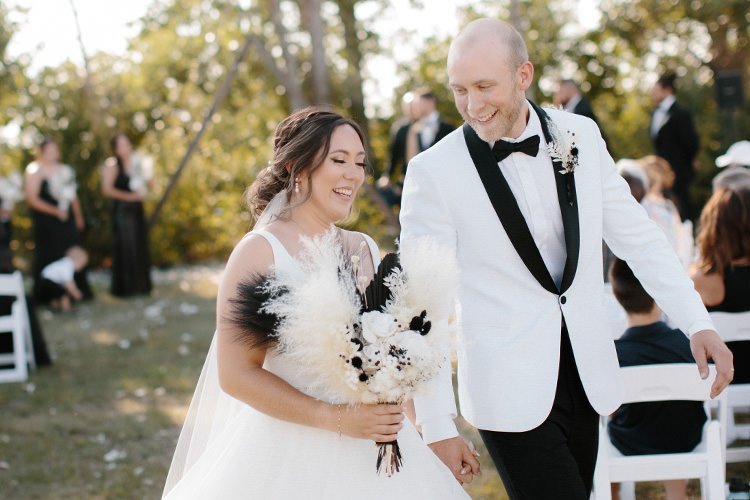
pixel 153 69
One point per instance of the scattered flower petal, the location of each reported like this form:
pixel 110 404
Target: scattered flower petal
pixel 188 309
pixel 115 454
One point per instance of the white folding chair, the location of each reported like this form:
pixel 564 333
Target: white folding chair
pixel 735 327
pixel 666 382
pixel 16 324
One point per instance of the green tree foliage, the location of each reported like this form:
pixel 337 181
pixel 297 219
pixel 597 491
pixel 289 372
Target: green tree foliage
pixel 695 39
pixel 158 93
pixel 618 60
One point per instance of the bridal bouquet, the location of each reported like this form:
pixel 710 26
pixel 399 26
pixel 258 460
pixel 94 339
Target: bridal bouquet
pixel 63 187
pixel 357 342
pixel 141 173
pixel 11 190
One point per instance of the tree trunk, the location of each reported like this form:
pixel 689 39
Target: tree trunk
pixel 291 81
pixel 353 88
pixel 218 99
pixel 312 21
pixel 353 54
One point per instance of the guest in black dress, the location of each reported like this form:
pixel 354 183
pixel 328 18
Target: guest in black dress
pixel 661 426
pixel 50 189
pixel 41 355
pixel 722 274
pixel 125 181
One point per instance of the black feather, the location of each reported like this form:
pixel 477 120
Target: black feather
pixel 377 293
pixel 254 327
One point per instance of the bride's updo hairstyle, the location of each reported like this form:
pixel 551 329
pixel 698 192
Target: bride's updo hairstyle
pixel 300 144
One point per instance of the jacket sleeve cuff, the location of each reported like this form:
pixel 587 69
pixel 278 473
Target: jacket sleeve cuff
pixel 700 325
pixel 437 429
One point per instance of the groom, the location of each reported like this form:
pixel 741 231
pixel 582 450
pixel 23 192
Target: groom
pixel 536 363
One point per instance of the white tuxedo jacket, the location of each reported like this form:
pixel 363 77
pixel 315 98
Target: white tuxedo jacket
pixel 511 310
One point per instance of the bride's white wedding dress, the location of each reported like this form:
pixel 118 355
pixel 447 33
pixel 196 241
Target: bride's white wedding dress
pixel 228 450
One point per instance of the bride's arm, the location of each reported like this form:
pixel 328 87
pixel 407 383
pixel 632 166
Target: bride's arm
pixel 242 376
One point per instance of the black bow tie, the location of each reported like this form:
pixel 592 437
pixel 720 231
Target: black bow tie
pixel 502 149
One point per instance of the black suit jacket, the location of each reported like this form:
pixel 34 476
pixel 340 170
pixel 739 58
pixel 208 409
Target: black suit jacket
pixel 398 150
pixel 677 142
pixel 398 146
pixel 444 129
pixel 583 108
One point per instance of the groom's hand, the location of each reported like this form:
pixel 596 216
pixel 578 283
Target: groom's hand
pixel 460 458
pixel 706 344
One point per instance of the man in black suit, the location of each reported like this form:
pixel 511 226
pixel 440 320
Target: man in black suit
pixel 675 139
pixel 430 128
pixel 568 95
pixel 397 160
pixel 423 129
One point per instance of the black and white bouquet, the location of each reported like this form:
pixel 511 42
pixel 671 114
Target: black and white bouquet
pixel 11 190
pixel 63 186
pixel 357 342
pixel 141 173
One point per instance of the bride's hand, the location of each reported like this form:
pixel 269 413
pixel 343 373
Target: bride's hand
pixel 380 423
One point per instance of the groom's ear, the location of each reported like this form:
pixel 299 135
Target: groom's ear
pixel 525 74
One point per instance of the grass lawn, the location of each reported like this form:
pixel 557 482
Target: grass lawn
pixel 103 421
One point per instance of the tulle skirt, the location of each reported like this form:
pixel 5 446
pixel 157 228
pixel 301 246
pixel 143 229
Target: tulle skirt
pixel 259 457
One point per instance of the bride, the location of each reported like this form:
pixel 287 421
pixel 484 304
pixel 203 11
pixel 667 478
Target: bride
pixel 254 430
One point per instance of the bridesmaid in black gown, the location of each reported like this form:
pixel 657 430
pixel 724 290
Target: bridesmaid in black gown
pixel 56 213
pixel 123 181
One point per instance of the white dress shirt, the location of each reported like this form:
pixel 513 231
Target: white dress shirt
pixel 429 129
pixel 572 103
pixel 532 181
pixel 60 271
pixel 661 114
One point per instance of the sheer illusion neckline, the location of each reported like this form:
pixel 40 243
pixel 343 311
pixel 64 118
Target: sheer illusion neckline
pixel 278 247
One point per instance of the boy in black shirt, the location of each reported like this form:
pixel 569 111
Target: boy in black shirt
pixel 655 427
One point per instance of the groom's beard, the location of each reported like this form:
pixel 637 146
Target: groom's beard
pixel 501 124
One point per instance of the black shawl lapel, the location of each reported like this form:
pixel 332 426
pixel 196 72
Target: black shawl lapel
pixel 506 207
pixel 566 196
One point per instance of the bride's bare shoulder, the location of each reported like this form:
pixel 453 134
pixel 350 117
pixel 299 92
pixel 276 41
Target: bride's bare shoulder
pixel 253 254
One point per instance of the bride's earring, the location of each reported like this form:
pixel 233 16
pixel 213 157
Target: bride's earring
pixel 296 185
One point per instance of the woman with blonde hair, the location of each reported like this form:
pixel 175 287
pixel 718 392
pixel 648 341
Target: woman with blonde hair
pixel 662 210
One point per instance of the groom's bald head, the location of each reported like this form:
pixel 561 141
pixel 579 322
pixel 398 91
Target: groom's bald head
pixel 491 37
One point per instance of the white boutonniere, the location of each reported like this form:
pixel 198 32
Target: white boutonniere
pixel 563 149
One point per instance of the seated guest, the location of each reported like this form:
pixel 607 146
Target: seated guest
pixel 731 178
pixel 10 192
pixel 736 165
pixel 635 176
pixel 661 426
pixel 722 273
pixel 661 209
pixel 58 280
